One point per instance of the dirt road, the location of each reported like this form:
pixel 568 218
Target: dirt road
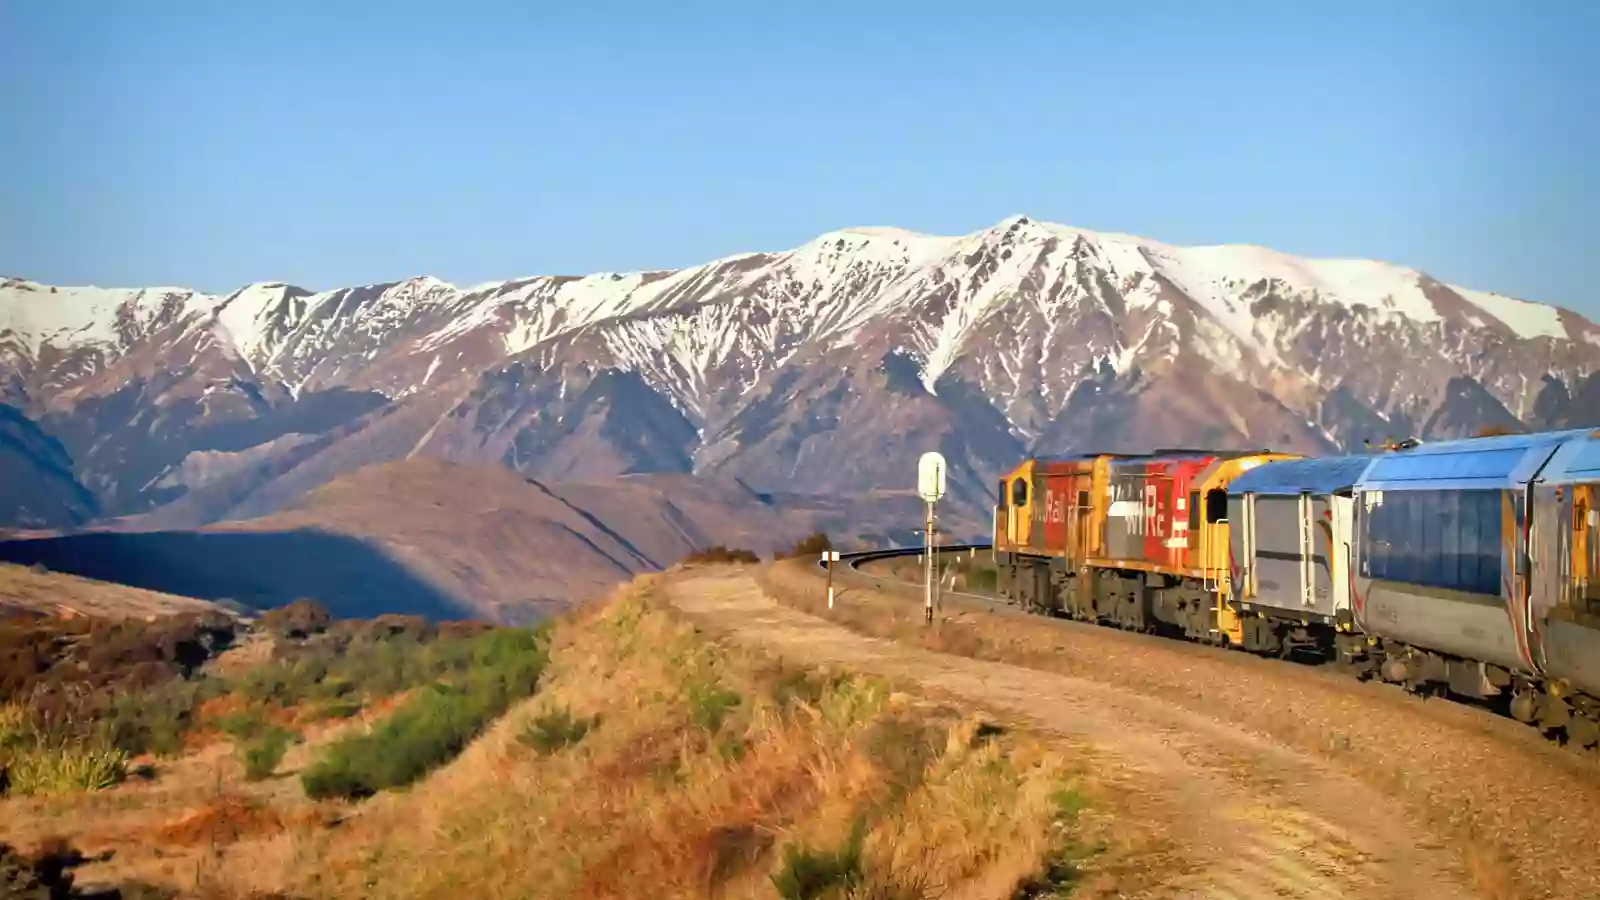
pixel 1255 820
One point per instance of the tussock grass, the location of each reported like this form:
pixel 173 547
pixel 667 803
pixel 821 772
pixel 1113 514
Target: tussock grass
pixel 36 763
pixel 52 770
pixel 713 772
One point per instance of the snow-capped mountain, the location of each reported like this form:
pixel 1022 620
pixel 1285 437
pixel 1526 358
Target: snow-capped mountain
pixel 827 368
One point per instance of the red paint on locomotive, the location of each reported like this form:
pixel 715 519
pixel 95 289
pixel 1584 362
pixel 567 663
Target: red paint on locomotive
pixel 1152 510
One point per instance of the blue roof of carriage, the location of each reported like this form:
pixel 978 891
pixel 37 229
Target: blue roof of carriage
pixel 1466 464
pixel 1317 475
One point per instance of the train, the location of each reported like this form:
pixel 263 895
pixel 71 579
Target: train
pixel 1458 567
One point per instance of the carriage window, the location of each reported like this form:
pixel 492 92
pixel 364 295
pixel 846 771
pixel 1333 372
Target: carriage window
pixel 1447 539
pixel 1019 492
pixel 1216 505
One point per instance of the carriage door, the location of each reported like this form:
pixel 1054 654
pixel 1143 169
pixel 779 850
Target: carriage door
pixel 1551 509
pixel 1542 506
pixel 1343 532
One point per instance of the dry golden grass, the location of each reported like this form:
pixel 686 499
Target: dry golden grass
pixel 57 593
pixel 678 791
pixel 194 824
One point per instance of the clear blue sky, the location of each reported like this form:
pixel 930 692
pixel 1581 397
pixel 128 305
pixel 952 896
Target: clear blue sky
pixel 210 144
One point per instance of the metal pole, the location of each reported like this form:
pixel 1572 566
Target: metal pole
pixel 831 560
pixel 927 543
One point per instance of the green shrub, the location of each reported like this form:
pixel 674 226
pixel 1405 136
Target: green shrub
pixel 261 756
pixel 342 708
pixel 243 724
pixel 433 726
pixel 155 720
pixel 710 704
pixel 811 874
pixel 555 730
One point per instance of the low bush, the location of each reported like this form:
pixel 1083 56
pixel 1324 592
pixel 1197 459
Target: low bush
pixel 720 554
pixel 433 726
pixel 809 546
pixel 555 730
pixel 262 755
pixel 811 874
pixel 299 619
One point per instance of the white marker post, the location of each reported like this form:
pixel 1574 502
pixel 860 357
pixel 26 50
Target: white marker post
pixel 829 557
pixel 930 487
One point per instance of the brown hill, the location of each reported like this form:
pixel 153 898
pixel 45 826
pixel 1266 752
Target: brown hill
pixel 56 593
pixel 449 540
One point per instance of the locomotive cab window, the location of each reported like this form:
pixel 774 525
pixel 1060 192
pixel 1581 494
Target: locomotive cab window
pixel 1019 492
pixel 1002 501
pixel 1194 510
pixel 1216 506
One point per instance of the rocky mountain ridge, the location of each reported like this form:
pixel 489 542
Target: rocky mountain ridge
pixel 824 369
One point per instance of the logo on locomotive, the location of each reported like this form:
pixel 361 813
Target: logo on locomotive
pixel 1053 510
pixel 1142 506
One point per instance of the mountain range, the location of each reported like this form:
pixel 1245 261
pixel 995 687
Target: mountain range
pixel 824 370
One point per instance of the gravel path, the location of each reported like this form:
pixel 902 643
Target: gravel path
pixel 1524 809
pixel 1256 819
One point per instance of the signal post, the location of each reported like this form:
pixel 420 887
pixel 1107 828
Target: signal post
pixel 930 487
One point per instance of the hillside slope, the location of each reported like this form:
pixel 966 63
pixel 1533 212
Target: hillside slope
pixel 58 593
pixel 449 540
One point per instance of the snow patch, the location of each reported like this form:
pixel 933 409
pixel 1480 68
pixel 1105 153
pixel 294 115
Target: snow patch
pixel 1526 318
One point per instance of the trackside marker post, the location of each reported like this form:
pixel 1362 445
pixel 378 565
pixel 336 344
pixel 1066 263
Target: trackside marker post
pixel 829 557
pixel 930 487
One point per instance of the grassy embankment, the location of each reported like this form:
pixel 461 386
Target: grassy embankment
pixel 650 758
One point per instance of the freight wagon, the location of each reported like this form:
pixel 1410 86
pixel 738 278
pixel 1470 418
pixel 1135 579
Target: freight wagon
pixel 1288 555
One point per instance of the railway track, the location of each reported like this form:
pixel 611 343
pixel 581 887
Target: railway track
pixel 854 561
